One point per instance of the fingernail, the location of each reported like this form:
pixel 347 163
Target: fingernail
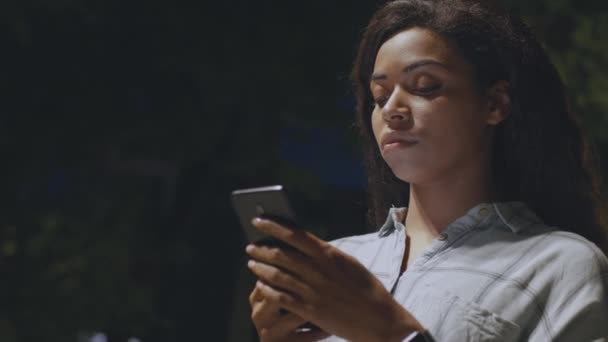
pixel 256 220
pixel 249 248
pixel 251 263
pixel 259 284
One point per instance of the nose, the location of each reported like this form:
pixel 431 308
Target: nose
pixel 396 111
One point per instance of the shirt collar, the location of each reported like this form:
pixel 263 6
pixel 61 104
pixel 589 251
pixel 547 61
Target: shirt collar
pixel 516 216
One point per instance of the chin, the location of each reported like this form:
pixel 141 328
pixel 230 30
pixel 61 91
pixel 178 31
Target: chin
pixel 412 174
pixel 407 178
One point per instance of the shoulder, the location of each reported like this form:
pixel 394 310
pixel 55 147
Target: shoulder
pixel 575 296
pixel 366 243
pixel 546 246
pixel 569 274
pixel 362 247
pixel 574 254
pixel 353 243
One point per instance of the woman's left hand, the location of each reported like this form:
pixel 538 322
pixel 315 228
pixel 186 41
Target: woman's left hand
pixel 329 288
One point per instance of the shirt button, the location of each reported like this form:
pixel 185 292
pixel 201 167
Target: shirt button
pixel 442 237
pixel 483 212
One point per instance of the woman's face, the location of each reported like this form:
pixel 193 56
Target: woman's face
pixel 429 119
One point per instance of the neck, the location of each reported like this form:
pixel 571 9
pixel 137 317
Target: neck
pixel 432 207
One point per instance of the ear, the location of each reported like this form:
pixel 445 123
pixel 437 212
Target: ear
pixel 499 103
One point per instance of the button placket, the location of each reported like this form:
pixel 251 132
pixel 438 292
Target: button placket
pixel 397 265
pixel 442 241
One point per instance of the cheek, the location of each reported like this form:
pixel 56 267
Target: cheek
pixel 454 134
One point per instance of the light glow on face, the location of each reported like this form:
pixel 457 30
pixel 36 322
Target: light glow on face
pixel 424 91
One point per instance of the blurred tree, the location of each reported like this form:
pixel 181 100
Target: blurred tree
pixel 573 33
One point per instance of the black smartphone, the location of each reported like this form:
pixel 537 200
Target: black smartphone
pixel 269 202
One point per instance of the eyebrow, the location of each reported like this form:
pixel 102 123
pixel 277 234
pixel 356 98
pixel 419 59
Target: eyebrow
pixel 409 68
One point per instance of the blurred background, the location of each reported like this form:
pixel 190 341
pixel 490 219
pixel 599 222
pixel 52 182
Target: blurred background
pixel 125 125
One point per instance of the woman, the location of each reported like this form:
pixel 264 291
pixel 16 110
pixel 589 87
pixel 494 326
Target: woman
pixel 467 126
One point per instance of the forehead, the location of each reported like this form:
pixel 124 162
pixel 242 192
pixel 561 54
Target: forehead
pixel 414 44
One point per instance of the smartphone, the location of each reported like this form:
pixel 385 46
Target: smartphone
pixel 269 202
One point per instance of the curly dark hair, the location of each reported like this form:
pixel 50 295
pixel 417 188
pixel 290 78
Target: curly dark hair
pixel 540 156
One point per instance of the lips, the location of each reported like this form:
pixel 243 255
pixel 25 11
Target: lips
pixel 394 140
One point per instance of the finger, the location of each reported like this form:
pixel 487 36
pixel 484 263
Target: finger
pixel 280 279
pixel 285 300
pixel 271 323
pixel 265 313
pixel 302 240
pixel 308 336
pixel 255 296
pixel 294 262
pixel 280 328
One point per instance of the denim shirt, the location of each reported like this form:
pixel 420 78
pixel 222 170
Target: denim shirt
pixel 496 274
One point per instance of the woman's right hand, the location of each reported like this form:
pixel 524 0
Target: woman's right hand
pixel 273 325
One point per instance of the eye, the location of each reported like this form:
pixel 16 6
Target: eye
pixel 381 100
pixel 425 91
pixel 424 84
